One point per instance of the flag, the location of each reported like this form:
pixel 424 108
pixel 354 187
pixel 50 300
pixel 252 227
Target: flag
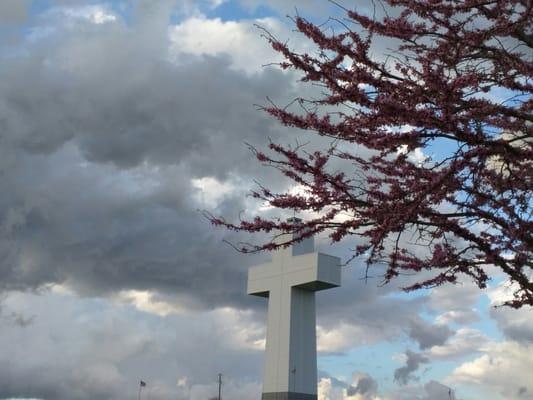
pixel 143 383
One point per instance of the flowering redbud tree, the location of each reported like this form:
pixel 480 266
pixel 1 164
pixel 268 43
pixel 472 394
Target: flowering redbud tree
pixel 458 84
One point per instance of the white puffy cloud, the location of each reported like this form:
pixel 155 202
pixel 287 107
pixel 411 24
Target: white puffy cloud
pixel 211 191
pixel 341 337
pixel 326 391
pixel 515 324
pixel 146 300
pixel 360 387
pixel 465 341
pixel 504 368
pixel 457 317
pixel 96 14
pixel 455 303
pixel 241 40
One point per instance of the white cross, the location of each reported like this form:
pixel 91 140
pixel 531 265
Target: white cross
pixel 290 282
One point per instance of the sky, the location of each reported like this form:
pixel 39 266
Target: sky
pixel 119 120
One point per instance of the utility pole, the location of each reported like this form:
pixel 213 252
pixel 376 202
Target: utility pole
pixel 219 385
pixel 141 385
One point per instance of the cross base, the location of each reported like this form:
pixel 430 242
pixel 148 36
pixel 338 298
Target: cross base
pixel 288 396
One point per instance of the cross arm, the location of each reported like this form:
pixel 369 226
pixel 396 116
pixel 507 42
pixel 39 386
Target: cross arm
pixel 312 271
pixel 262 278
pixel 323 272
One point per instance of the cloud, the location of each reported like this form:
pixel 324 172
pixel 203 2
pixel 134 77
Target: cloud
pixel 13 11
pixel 428 335
pixel 144 234
pixel 96 349
pixel 455 303
pixel 361 387
pixel 457 317
pixel 437 391
pixel 14 317
pixel 361 312
pixel 515 324
pixel 107 172
pixel 231 390
pixel 132 113
pixel 366 318
pixel 240 39
pixel 95 14
pixel 432 390
pixel 504 368
pixel 326 390
pixel 465 342
pixel 413 361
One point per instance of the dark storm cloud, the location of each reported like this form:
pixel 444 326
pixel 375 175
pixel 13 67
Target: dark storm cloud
pixel 99 91
pixel 100 138
pixel 100 231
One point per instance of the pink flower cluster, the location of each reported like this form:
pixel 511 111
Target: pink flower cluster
pixel 468 209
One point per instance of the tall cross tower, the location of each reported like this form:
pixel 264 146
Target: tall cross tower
pixel 290 282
